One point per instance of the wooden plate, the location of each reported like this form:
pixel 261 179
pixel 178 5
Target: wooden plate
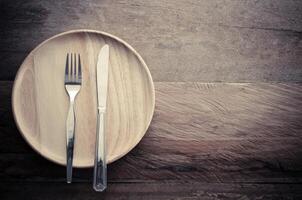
pixel 40 102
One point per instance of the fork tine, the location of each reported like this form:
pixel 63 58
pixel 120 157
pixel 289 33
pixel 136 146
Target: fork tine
pixel 79 69
pixel 71 67
pixel 75 67
pixel 67 68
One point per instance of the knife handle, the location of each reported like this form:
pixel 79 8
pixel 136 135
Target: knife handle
pixel 100 165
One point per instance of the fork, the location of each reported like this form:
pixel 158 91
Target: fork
pixel 73 82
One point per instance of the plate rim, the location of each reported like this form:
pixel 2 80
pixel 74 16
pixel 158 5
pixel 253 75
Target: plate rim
pixel 48 157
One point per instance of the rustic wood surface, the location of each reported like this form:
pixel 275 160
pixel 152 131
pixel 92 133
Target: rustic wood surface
pixel 183 40
pixel 40 102
pixel 206 141
pixel 158 191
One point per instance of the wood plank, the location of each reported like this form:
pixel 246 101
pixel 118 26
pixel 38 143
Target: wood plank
pixel 159 191
pixel 220 162
pixel 202 132
pixel 232 41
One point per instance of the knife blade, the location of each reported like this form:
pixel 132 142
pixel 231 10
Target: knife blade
pixel 102 76
pixel 100 165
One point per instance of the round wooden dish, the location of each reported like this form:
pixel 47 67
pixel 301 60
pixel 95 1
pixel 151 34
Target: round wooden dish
pixel 40 102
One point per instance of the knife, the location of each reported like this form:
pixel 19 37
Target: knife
pixel 100 165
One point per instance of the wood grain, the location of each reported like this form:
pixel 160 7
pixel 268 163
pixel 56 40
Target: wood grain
pixel 250 145
pixel 187 40
pixel 159 191
pixel 218 133
pixel 206 141
pixel 40 101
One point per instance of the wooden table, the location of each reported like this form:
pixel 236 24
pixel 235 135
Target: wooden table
pixel 228 116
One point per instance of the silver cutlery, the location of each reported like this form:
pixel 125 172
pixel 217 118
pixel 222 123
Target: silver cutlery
pixel 100 165
pixel 73 82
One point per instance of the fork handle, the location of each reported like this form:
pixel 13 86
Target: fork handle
pixel 100 165
pixel 70 127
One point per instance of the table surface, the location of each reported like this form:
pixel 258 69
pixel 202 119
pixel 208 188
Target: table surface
pixel 228 81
